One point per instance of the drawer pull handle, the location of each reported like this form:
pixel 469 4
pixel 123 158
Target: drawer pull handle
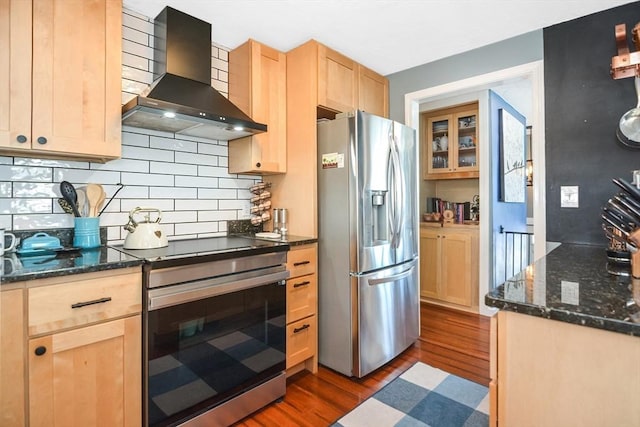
pixel 298 264
pixel 95 301
pixel 40 350
pixel 301 328
pixel 297 285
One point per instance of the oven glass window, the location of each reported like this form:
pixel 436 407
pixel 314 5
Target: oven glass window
pixel 204 352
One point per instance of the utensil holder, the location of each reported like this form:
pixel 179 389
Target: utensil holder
pixel 86 232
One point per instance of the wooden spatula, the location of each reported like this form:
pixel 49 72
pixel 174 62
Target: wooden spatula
pixel 94 193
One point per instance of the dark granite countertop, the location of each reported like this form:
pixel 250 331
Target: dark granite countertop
pixel 288 239
pixel 52 264
pixel 572 284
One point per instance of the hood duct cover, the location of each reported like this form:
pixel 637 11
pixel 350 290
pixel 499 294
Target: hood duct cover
pixel 181 99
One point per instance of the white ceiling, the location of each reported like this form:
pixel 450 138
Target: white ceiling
pixel 384 35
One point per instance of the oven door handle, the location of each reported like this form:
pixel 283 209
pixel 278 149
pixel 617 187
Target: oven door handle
pixel 179 294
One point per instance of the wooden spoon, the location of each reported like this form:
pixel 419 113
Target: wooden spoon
pixel 100 203
pixel 94 193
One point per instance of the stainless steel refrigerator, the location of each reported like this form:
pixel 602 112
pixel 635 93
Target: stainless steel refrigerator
pixel 368 283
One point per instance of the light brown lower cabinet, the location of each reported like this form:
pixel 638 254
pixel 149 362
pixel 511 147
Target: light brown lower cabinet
pixel 12 364
pixel 87 376
pixel 77 341
pixel 302 308
pixel 551 373
pixel 449 266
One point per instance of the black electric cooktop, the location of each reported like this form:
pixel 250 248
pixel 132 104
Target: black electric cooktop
pixel 190 251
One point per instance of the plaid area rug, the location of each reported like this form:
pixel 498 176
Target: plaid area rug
pixel 423 396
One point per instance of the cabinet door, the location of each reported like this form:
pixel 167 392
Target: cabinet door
pixel 77 77
pixel 15 73
pixel 12 363
pixel 456 268
pixel 88 376
pixel 373 92
pixel 337 83
pixel 429 264
pixel 439 156
pixel 261 94
pixel 465 124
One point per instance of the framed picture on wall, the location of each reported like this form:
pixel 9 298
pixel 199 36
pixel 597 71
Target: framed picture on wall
pixel 512 159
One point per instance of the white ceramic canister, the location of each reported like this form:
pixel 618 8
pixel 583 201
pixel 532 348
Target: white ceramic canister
pixel 3 236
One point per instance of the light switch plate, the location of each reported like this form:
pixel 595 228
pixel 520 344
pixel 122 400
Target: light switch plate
pixel 569 196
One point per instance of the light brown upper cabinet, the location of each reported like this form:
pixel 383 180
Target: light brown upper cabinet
pixel 345 85
pixel 60 78
pixel 258 86
pixel 337 80
pixel 373 92
pixel 450 142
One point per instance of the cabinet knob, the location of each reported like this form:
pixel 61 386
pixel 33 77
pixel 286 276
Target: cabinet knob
pixel 258 164
pixel 40 350
pixel 42 140
pixel 21 139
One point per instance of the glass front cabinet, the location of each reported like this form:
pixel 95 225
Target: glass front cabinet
pixel 450 140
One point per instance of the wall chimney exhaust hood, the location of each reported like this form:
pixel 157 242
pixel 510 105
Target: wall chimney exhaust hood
pixel 181 99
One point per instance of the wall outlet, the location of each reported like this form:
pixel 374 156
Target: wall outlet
pixel 569 196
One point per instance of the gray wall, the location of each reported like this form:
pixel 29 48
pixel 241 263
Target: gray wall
pixel 498 56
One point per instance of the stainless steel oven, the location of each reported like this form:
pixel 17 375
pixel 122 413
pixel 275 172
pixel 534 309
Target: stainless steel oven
pixel 214 339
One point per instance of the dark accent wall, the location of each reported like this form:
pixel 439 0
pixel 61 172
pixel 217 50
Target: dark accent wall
pixel 583 105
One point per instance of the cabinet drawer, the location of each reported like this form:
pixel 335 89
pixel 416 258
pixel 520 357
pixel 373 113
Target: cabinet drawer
pixel 301 340
pixel 65 305
pixel 301 297
pixel 302 261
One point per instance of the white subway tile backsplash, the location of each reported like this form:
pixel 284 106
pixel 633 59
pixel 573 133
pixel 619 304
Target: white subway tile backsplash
pixel 5 222
pixel 198 159
pixel 75 176
pixel 163 204
pixel 135 139
pixel 217 215
pixel 31 161
pixel 176 217
pixel 130 152
pixel 137 75
pixel 173 193
pixel 134 61
pixel 237 182
pixel 173 144
pixel 185 177
pixel 134 35
pixel 20 206
pixel 23 173
pixel 129 178
pixel 213 171
pixel 6 189
pixel 137 49
pixel 219 193
pixel 133 19
pixel 188 181
pixel 214 150
pixel 233 204
pixel 219 64
pixel 175 168
pixel 196 228
pixel 127 165
pixel 196 205
pixel 29 189
pixel 42 221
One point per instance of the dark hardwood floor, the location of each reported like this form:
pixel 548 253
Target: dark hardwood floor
pixel 452 340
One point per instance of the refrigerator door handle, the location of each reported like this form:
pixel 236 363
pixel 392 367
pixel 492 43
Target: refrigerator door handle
pixel 398 192
pixel 394 278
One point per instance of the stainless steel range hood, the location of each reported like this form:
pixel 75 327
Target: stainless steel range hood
pixel 181 99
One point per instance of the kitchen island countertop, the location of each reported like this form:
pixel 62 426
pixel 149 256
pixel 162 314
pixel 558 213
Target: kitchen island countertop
pixel 572 284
